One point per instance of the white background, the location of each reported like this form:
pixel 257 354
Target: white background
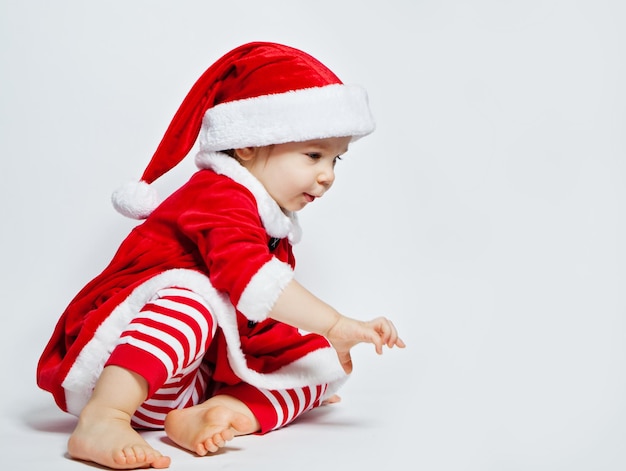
pixel 485 216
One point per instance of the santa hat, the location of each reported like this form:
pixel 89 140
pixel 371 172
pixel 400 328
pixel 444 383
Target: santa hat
pixel 257 94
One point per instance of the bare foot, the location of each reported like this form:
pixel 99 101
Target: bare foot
pixel 205 428
pixel 106 437
pixel 334 399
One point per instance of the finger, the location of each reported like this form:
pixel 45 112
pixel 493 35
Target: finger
pixel 390 333
pixel 345 359
pixel 378 342
pixel 387 331
pixel 394 338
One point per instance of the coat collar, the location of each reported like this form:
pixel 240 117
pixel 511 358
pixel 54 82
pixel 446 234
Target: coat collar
pixel 277 222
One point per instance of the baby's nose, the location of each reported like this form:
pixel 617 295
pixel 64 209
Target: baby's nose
pixel 326 178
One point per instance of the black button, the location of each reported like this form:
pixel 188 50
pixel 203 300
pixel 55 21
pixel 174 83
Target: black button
pixel 273 243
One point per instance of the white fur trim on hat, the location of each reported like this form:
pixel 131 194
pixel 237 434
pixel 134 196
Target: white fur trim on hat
pixel 312 113
pixel 135 199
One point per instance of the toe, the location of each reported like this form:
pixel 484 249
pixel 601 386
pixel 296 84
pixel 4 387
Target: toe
pixel 201 449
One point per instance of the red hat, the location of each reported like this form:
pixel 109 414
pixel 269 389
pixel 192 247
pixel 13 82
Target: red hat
pixel 257 94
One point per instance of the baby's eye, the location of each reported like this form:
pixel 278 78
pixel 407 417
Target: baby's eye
pixel 336 159
pixel 314 155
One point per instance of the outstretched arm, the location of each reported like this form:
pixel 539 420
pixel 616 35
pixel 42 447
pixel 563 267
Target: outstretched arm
pixel 298 307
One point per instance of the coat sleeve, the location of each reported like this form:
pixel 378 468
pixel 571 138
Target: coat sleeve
pixel 225 226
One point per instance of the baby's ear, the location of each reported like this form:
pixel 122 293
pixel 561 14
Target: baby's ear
pixel 245 153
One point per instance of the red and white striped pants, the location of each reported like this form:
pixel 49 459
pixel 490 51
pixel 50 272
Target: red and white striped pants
pixel 166 344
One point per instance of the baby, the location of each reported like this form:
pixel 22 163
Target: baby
pixel 198 325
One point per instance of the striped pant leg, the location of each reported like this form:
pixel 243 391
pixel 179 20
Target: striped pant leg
pixel 165 344
pixel 276 408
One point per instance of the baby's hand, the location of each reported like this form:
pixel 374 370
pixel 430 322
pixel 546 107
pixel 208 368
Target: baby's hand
pixel 347 332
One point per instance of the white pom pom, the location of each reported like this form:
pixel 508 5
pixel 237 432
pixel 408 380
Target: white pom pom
pixel 135 199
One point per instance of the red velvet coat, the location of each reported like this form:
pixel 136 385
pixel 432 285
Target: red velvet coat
pixel 222 236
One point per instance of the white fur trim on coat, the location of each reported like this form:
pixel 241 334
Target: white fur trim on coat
pixel 276 222
pixel 318 367
pixel 263 289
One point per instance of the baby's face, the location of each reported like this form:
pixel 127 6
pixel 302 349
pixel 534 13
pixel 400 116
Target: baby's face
pixel 296 173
